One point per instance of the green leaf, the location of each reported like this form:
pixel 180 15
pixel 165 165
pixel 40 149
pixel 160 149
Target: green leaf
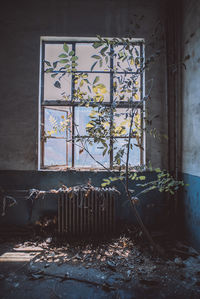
pixel 71 53
pixel 142 177
pixel 66 48
pixel 49 70
pixel 103 50
pixel 62 55
pixel 55 64
pixel 134 176
pixel 54 75
pixel 57 84
pixel 104 184
pixel 92 67
pixel 64 61
pixel 96 80
pixel 67 66
pixel 74 58
pixel 47 62
pixel 118 161
pixel 97 44
pixel 104 152
pixel 157 170
pixel 96 57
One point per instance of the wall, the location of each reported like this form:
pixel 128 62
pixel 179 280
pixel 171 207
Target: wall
pixel 22 24
pixel 152 206
pixel 191 119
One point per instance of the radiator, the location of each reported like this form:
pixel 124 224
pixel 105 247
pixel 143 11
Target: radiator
pixel 89 211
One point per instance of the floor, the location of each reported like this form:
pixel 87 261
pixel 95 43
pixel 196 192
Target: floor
pixel 122 267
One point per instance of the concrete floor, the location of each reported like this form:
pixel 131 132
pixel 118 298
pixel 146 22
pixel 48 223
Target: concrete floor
pixel 37 269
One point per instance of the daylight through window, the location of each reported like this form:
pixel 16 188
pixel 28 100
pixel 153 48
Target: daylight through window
pixel 64 123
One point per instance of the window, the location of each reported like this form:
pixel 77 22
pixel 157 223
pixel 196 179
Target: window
pixel 71 146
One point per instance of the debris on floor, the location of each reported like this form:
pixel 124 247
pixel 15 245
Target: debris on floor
pixel 121 265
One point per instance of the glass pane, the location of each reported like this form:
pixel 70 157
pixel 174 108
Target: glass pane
pixel 83 159
pixel 51 92
pixel 57 123
pixel 52 51
pixel 99 86
pixel 57 152
pixel 134 155
pixel 127 87
pixel 127 60
pixel 82 118
pixel 85 51
pixel 122 120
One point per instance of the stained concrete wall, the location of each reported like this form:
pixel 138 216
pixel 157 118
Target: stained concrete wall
pixel 22 24
pixel 191 118
pixel 152 205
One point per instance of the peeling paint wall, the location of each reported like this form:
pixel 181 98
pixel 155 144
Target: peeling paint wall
pixel 22 24
pixel 191 119
pixel 152 206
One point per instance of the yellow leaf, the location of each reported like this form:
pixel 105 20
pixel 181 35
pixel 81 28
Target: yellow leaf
pixel 136 96
pixel 106 124
pixel 93 113
pixel 62 116
pixel 132 61
pixel 82 82
pixel 89 125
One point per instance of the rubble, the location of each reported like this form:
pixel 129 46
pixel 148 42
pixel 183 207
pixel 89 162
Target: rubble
pixel 120 261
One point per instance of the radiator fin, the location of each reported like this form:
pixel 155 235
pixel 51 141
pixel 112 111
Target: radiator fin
pixel 90 211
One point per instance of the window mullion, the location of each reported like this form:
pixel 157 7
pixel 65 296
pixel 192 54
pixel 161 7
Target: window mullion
pixel 73 110
pixel 142 109
pixel 111 109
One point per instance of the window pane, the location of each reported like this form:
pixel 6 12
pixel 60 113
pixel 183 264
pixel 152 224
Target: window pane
pixel 85 51
pixel 83 159
pixel 134 156
pixel 57 152
pixel 82 118
pixel 57 122
pixel 122 118
pixel 52 51
pixel 126 60
pixel 99 86
pixel 127 86
pixel 51 92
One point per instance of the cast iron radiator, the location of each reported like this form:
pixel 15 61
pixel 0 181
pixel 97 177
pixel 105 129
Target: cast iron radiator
pixel 87 211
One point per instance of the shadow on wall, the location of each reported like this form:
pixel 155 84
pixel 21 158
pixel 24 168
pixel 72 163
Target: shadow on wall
pixel 152 206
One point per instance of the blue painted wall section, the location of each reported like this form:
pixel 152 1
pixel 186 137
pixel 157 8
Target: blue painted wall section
pixel 191 209
pixel 152 206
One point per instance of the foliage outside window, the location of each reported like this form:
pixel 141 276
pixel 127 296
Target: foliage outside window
pixel 88 91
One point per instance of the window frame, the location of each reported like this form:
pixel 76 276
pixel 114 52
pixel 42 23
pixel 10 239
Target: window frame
pixel 60 103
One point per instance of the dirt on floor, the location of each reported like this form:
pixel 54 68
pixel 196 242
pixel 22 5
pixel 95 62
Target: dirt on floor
pixel 47 266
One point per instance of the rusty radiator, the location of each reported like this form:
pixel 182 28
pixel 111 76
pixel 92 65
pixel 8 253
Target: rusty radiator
pixel 89 211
